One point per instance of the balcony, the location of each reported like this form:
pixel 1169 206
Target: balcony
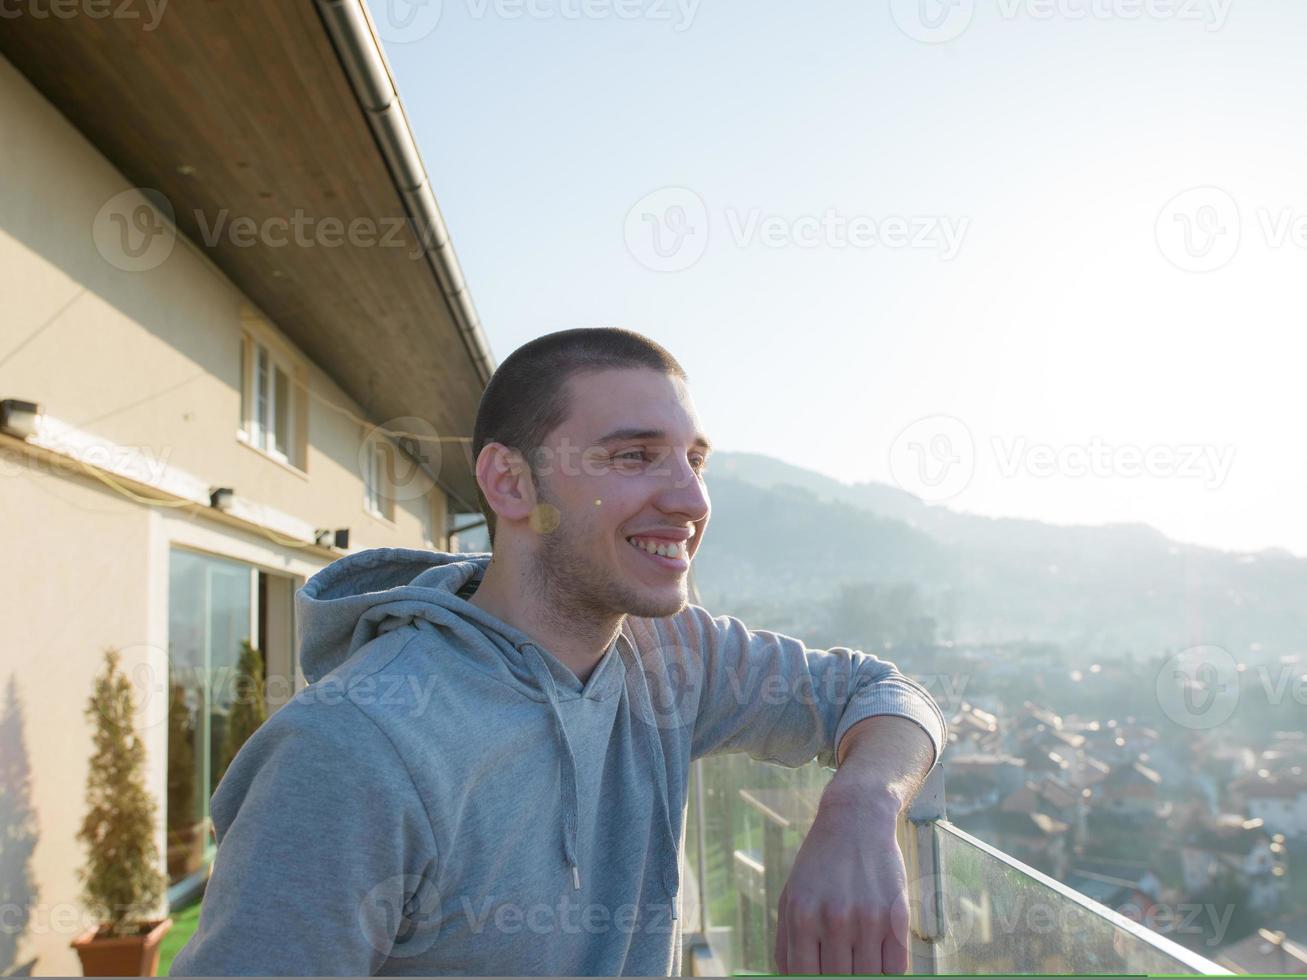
pixel 974 909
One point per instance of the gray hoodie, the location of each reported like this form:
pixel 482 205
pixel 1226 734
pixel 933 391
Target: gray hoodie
pixel 445 796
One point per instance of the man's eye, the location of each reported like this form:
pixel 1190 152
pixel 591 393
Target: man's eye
pixel 700 464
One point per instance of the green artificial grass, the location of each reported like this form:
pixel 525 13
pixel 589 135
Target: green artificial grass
pixel 184 923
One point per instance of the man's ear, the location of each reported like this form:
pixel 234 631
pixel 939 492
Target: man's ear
pixel 504 478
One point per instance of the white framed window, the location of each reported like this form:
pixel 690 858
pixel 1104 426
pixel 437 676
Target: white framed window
pixel 434 520
pixel 377 464
pixel 427 518
pixel 274 406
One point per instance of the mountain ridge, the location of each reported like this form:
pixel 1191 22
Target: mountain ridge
pixel 1102 589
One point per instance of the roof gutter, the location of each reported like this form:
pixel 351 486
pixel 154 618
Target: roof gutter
pixel 361 55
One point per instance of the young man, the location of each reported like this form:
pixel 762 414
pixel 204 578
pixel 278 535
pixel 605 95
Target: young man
pixel 487 773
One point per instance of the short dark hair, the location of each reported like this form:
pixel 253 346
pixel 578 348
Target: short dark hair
pixel 526 398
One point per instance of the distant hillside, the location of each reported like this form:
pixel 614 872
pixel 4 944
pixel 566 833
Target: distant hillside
pixel 782 536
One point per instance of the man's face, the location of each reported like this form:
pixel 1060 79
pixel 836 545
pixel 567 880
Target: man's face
pixel 628 462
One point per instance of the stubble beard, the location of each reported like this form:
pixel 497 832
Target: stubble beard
pixel 576 589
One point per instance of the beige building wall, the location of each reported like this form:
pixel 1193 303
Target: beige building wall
pixel 150 360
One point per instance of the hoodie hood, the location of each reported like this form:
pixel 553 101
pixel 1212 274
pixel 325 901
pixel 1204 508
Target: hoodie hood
pixel 359 597
pixel 362 596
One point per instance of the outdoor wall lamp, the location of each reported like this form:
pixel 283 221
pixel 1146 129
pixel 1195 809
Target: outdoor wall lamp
pixel 18 417
pixel 327 538
pixel 220 498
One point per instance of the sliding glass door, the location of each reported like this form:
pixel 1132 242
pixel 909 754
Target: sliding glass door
pixel 212 611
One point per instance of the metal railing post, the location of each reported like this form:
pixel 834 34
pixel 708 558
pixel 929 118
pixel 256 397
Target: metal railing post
pixel 923 862
pixel 701 867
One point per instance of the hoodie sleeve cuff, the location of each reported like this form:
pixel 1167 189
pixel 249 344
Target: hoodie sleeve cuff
pixel 915 706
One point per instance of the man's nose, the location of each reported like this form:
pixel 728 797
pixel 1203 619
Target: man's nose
pixel 685 492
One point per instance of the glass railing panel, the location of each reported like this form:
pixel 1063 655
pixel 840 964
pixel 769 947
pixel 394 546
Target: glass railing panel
pixel 974 909
pixel 994 915
pixel 754 818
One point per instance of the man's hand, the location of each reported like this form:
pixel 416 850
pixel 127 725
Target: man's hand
pixel 844 908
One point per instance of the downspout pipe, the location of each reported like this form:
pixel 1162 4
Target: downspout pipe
pixel 360 53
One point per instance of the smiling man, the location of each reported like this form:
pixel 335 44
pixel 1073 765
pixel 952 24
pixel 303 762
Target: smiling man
pixel 487 772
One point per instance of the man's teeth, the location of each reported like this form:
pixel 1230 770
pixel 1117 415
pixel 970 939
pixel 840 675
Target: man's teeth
pixel 668 549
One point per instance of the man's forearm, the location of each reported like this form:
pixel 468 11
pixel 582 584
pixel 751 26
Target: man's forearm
pixel 882 761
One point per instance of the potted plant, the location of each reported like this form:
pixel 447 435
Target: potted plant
pixel 122 880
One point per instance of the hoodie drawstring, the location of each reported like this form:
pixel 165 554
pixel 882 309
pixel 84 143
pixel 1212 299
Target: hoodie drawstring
pixel 671 852
pixel 671 871
pixel 567 763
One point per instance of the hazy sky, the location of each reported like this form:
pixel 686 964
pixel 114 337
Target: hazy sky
pixel 1036 258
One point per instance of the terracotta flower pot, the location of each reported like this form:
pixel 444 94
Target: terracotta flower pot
pixel 121 956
